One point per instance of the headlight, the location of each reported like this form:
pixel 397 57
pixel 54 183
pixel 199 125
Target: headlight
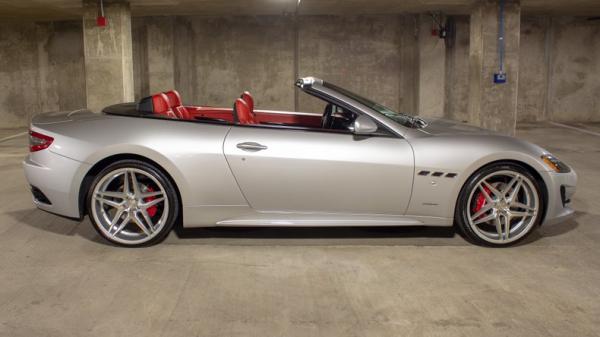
pixel 555 164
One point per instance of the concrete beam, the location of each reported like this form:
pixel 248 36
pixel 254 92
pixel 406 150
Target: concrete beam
pixel 108 55
pixel 493 106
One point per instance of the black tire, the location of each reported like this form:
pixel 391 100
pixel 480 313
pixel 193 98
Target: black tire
pixel 461 216
pixel 171 196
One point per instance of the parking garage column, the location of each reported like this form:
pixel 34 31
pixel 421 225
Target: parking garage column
pixel 108 54
pixel 494 105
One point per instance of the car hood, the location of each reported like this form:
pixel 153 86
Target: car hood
pixel 440 126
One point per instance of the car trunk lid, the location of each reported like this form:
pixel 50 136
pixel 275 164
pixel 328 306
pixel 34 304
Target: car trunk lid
pixel 63 117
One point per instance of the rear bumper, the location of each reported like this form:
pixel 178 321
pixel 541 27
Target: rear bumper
pixel 561 187
pixel 58 179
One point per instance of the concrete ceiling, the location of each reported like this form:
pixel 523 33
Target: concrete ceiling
pixel 68 9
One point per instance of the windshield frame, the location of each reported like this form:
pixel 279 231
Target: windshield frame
pixel 314 86
pixel 398 117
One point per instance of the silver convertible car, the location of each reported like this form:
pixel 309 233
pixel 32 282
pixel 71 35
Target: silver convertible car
pixel 138 169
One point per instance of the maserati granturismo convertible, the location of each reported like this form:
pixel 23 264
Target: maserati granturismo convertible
pixel 138 169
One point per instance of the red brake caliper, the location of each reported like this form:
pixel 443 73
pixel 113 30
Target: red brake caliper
pixel 480 200
pixel 151 210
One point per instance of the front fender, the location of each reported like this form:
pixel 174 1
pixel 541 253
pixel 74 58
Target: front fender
pixel 462 156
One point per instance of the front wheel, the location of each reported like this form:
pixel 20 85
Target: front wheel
pixel 132 203
pixel 500 205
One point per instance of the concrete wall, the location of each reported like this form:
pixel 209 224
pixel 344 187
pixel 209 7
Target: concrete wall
pixel 389 58
pixel 393 59
pixel 560 69
pixel 218 58
pixel 19 79
pixel 574 86
pixel 41 69
pixel 431 70
pixel 408 100
pixel 457 70
pixel 358 53
pixel 533 74
pixel 237 54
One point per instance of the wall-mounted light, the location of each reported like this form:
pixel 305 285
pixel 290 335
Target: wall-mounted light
pixel 101 20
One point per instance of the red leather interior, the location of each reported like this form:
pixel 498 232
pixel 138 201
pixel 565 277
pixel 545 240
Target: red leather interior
pixel 242 113
pixel 288 119
pixel 211 112
pixel 160 105
pixel 247 97
pixel 169 104
pixel 226 114
pixel 175 103
pixel 174 98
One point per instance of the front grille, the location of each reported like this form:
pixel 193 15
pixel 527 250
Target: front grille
pixel 39 196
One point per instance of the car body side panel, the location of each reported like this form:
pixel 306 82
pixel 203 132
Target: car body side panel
pixel 304 171
pixel 59 179
pixel 191 153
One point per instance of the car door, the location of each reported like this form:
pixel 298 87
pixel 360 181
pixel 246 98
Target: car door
pixel 281 169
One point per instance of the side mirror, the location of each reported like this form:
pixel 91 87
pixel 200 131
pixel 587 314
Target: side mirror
pixel 363 125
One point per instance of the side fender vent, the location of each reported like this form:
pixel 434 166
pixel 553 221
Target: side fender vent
pixel 425 173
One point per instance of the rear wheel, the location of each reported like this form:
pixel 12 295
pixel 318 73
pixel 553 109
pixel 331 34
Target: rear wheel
pixel 499 205
pixel 132 203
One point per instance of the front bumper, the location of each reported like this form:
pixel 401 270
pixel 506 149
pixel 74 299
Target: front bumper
pixel 561 187
pixel 58 178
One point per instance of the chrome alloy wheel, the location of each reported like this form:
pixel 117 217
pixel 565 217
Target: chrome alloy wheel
pixel 130 206
pixel 503 207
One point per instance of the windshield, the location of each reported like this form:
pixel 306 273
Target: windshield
pixel 403 119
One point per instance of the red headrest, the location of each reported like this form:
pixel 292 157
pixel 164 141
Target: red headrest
pixel 160 105
pixel 246 96
pixel 174 98
pixel 242 113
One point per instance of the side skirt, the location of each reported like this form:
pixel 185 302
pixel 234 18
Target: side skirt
pixel 330 220
pixel 244 216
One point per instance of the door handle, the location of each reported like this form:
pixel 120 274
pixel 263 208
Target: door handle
pixel 251 146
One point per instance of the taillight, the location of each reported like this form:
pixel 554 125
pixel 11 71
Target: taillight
pixel 38 142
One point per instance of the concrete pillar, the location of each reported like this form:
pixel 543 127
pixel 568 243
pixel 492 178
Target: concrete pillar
pixel 432 70
pixel 108 55
pixel 493 106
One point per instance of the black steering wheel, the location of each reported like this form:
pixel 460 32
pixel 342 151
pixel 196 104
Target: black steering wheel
pixel 327 119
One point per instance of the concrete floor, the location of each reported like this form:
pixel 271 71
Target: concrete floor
pixel 58 279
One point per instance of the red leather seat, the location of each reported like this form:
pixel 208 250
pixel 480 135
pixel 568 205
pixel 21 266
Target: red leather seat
pixel 247 97
pixel 160 106
pixel 175 103
pixel 242 113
